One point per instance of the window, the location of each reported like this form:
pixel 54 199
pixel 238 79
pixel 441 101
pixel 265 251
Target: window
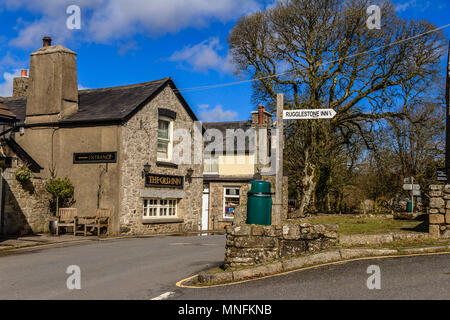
pixel 211 164
pixel 160 208
pixel 165 140
pixel 230 201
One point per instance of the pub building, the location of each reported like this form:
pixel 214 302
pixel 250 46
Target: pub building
pixel 114 144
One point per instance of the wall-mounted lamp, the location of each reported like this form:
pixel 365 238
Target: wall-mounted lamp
pixel 146 170
pixel 189 174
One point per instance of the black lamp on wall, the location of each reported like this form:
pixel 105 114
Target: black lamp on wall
pixel 146 170
pixel 189 174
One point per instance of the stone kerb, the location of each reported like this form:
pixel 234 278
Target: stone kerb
pixel 439 217
pixel 248 245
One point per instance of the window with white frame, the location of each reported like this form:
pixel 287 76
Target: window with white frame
pixel 160 208
pixel 211 164
pixel 165 138
pixel 231 198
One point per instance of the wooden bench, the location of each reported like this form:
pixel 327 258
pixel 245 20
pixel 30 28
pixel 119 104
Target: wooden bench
pixel 67 217
pixel 101 220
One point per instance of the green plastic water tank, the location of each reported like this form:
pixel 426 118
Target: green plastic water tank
pixel 259 204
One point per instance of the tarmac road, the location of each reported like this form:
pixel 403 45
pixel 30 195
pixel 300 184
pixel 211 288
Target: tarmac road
pixel 415 277
pixel 133 268
pixel 148 268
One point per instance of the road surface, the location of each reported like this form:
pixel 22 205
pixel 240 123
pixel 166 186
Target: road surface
pixel 148 268
pixel 418 277
pixel 133 268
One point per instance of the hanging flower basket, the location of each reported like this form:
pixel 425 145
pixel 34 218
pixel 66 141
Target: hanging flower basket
pixel 23 174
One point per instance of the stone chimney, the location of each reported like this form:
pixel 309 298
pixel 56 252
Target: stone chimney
pixel 53 85
pixel 261 118
pixel 20 85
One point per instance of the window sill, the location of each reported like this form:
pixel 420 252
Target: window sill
pixel 161 220
pixel 160 163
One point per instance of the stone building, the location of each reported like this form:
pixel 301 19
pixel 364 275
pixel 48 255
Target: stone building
pixel 115 144
pixel 228 170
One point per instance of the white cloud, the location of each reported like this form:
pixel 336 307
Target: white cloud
pixel 6 87
pixel 103 21
pixel 203 57
pixel 215 114
pixel 413 4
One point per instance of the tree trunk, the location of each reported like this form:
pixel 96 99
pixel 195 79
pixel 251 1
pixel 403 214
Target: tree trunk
pixel 309 185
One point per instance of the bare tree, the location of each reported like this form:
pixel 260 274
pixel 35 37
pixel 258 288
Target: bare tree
pixel 322 55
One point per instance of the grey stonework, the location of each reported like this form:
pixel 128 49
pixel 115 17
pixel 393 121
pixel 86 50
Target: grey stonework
pixel 26 205
pixel 440 211
pixel 251 244
pixel 139 145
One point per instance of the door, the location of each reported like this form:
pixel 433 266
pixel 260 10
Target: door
pixel 205 209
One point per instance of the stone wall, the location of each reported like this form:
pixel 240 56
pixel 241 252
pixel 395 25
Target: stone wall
pixel 440 211
pixel 252 244
pixel 139 145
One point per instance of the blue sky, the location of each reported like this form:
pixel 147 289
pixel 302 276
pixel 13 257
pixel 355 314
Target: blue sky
pixel 130 41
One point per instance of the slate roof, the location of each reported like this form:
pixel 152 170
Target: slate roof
pixel 234 125
pixel 114 104
pixel 6 115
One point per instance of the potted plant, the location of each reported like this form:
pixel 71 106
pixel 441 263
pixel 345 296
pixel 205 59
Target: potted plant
pixel 23 174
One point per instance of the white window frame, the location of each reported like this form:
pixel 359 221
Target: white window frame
pixel 230 196
pixel 159 208
pixel 208 159
pixel 170 144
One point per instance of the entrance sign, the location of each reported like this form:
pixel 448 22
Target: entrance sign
pixel 95 157
pixel 309 114
pixel 163 181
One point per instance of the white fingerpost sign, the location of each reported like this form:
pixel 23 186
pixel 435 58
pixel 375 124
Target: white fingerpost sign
pixel 308 114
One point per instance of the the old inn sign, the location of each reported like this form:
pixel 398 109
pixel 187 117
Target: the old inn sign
pixel 95 157
pixel 162 180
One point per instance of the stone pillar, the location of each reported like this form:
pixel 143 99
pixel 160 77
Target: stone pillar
pixel 439 211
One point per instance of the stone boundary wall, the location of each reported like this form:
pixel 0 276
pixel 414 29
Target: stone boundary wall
pixel 248 245
pixel 440 211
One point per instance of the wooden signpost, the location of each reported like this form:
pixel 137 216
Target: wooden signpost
pixel 414 188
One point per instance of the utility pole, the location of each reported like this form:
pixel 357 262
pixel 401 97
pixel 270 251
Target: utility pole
pixel 447 121
pixel 278 213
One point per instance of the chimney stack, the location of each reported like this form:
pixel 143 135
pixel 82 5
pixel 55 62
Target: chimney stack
pixel 46 42
pixel 53 85
pixel 261 118
pixel 261 110
pixel 20 85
